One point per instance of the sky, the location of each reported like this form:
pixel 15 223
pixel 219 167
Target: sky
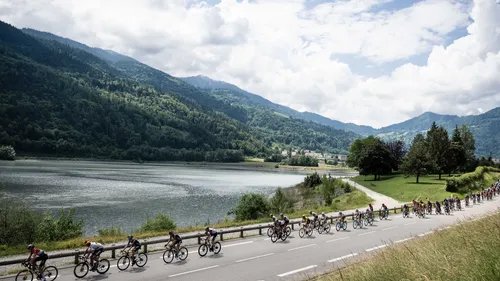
pixel 370 62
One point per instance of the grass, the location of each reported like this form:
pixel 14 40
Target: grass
pixel 467 251
pixel 405 189
pixel 345 202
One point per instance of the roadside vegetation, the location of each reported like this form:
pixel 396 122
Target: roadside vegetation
pixel 7 153
pixel 466 251
pixel 22 225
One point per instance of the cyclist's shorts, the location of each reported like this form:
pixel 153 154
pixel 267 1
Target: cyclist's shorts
pixel 98 252
pixel 214 234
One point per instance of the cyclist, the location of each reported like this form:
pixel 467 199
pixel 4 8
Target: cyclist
pixel 371 207
pixel 213 233
pixel 37 255
pixel 358 215
pixel 457 200
pixel 342 217
pixel 135 245
pixel 438 206
pixel 285 219
pixel 315 216
pixel 176 241
pixel 406 209
pixel 96 250
pixel 385 209
pixel 323 218
pixel 306 220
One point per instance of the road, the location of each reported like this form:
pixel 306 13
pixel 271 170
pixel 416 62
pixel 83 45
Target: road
pixel 257 258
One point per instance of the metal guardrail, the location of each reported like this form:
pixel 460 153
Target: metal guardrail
pixel 145 243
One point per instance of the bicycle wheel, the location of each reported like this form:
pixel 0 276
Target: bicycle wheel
pixel 310 231
pixel 24 275
pixel 288 231
pixel 217 247
pixel 203 250
pixel 302 232
pixel 283 236
pixel 168 256
pixel 123 263
pixel 328 227
pixel 338 226
pixel 354 224
pixel 270 231
pixel 141 259
pixel 50 273
pixel 320 229
pixel 274 237
pixel 103 266
pixel 81 270
pixel 344 226
pixel 183 253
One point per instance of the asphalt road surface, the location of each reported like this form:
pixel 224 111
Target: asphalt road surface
pixel 257 258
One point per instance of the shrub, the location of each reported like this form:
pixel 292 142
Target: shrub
pixel 312 180
pixel 18 222
pixel 160 222
pixel 251 206
pixel 7 153
pixel 280 202
pixel 327 190
pixel 63 227
pixel 468 181
pixel 303 161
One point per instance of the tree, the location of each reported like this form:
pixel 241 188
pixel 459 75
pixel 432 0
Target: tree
pixel 418 161
pixel 374 158
pixel 280 202
pixel 438 144
pixel 355 150
pixel 469 145
pixel 456 154
pixel 397 150
pixel 251 206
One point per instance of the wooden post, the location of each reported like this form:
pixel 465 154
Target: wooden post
pixel 199 240
pixel 260 230
pixel 76 256
pixel 113 252
pixel 145 246
pixel 221 236
pixel 241 233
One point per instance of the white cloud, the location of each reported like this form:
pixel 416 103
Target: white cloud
pixel 285 52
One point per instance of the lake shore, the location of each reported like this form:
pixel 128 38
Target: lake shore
pixel 249 164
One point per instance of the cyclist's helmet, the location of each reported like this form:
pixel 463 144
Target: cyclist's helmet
pixel 303 216
pixel 130 237
pixel 30 246
pixel 171 233
pixel 281 214
pixel 271 215
pixel 206 228
pixel 310 212
pixel 87 243
pixel 323 213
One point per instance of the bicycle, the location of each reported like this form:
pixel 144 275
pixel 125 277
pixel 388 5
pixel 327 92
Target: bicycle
pixel 357 222
pixel 181 253
pixel 406 213
pixel 206 245
pixel 305 229
pixel 383 214
pixel 271 230
pixel 368 220
pixel 102 267
pixel 124 261
pixel 279 235
pixel 341 225
pixel 324 227
pixel 49 272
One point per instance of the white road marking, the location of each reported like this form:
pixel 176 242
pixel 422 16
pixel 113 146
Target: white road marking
pixel 410 223
pixel 192 252
pixel 114 265
pixel 376 248
pixel 237 244
pixel 366 233
pixel 192 271
pixel 403 240
pixel 390 227
pixel 296 271
pixel 423 234
pixel 337 239
pixel 252 258
pixel 293 249
pixel 267 239
pixel 344 257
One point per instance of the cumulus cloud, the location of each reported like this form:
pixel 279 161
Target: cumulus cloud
pixel 287 51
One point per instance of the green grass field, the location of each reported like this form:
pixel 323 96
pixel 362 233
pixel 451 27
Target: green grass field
pixel 467 251
pixel 405 189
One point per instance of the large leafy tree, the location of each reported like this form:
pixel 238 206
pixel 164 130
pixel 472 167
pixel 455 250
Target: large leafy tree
pixel 457 153
pixel 370 156
pixel 418 161
pixel 438 144
pixel 469 145
pixel 397 148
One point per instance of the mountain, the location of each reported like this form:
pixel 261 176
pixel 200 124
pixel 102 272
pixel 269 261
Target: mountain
pixel 61 97
pixel 485 126
pixel 243 97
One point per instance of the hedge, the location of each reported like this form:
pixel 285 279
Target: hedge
pixel 463 183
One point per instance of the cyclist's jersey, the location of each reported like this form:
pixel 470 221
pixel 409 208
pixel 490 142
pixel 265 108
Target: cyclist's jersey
pixel 211 231
pixel 307 220
pixel 285 218
pixel 176 238
pixel 94 246
pixel 37 252
pixel 134 242
pixel 324 217
pixel 315 215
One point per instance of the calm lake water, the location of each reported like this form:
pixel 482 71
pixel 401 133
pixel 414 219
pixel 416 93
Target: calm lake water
pixel 124 194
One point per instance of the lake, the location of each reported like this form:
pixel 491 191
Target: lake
pixel 125 194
